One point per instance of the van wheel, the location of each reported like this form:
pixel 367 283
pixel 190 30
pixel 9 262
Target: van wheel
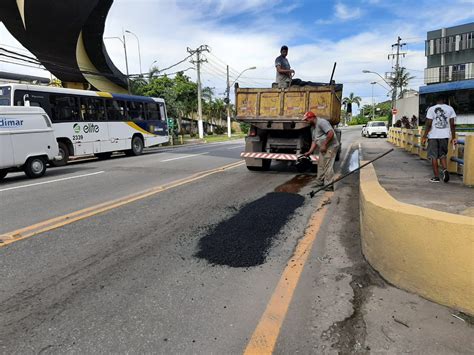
pixel 63 153
pixel 35 167
pixel 3 173
pixel 137 146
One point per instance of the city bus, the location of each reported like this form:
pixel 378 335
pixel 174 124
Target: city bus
pixel 458 94
pixel 93 122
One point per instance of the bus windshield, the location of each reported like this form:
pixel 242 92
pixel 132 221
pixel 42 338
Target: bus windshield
pixel 5 95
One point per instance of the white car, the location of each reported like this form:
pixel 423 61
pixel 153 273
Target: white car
pixel 27 141
pixel 374 129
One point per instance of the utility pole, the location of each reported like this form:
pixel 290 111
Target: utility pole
pixel 198 61
pixel 229 128
pixel 399 45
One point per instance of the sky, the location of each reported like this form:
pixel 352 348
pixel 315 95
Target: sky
pixel 357 34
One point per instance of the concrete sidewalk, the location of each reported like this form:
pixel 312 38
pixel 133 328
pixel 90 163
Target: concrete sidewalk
pixel 406 177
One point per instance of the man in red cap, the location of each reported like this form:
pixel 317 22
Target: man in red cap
pixel 324 137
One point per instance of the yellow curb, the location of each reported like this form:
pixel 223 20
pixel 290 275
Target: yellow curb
pixel 424 251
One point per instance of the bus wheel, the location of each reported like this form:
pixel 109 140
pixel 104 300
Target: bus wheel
pixel 103 156
pixel 63 153
pixel 35 167
pixel 137 146
pixel 3 173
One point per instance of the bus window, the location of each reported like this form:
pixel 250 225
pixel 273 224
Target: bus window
pixel 153 112
pixel 92 109
pixel 162 111
pixel 63 108
pixel 116 110
pixel 135 110
pixel 5 93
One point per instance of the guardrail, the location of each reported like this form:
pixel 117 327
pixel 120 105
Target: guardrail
pixel 460 157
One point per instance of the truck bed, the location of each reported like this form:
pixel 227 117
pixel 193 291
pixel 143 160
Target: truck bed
pixel 260 105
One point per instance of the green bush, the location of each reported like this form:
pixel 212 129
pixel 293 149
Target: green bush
pixel 210 133
pixel 220 130
pixel 244 127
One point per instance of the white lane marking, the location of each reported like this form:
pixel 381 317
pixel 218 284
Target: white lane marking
pixel 51 181
pixel 184 157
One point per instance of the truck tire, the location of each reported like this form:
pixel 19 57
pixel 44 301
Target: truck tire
pixel 35 167
pixel 3 173
pixel 265 166
pixel 63 153
pixel 137 147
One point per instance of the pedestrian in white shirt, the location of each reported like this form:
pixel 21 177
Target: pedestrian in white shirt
pixel 439 127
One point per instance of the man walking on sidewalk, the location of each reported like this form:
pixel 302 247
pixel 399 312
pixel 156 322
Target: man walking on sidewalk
pixel 438 128
pixel 324 137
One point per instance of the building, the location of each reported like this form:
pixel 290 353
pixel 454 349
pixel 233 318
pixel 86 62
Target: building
pixel 450 54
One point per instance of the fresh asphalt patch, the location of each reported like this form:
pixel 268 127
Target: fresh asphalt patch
pixel 244 239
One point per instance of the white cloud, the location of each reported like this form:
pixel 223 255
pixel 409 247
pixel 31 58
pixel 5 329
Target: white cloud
pixel 343 12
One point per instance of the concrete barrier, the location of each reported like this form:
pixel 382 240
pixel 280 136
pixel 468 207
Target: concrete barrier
pixel 424 251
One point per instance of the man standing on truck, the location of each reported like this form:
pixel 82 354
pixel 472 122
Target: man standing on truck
pixel 324 137
pixel 284 73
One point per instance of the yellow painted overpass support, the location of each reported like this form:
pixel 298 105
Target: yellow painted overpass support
pixel 424 251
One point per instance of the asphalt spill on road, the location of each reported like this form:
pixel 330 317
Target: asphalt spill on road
pixel 296 184
pixel 244 239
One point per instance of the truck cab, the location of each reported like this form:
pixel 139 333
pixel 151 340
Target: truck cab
pixel 27 141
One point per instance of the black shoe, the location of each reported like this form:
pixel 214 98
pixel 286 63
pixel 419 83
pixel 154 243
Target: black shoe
pixel 434 179
pixel 445 175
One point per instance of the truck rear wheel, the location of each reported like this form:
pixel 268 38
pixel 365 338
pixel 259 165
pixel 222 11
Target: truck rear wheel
pixel 35 167
pixel 265 166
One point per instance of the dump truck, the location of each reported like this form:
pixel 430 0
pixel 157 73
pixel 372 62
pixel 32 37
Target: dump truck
pixel 277 130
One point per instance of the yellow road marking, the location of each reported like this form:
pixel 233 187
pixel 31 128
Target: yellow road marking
pixel 266 334
pixel 57 222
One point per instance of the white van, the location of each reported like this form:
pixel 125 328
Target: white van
pixel 27 141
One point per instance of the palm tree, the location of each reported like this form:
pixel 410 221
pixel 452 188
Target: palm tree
pixel 401 80
pixel 349 101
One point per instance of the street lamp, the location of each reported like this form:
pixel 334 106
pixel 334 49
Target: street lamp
pixel 126 58
pixel 229 129
pixel 373 104
pixel 394 92
pixel 139 52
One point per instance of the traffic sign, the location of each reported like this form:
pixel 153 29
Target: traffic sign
pixel 394 111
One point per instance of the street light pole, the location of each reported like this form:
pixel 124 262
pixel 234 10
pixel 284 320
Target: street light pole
pixel 229 128
pixel 139 51
pixel 373 104
pixel 394 92
pixel 126 58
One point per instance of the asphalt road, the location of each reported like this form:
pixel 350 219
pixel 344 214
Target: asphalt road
pixel 158 274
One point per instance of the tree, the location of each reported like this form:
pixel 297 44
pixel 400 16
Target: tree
pixel 401 81
pixel 349 101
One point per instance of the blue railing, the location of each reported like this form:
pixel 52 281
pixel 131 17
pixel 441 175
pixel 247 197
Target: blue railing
pixel 456 159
